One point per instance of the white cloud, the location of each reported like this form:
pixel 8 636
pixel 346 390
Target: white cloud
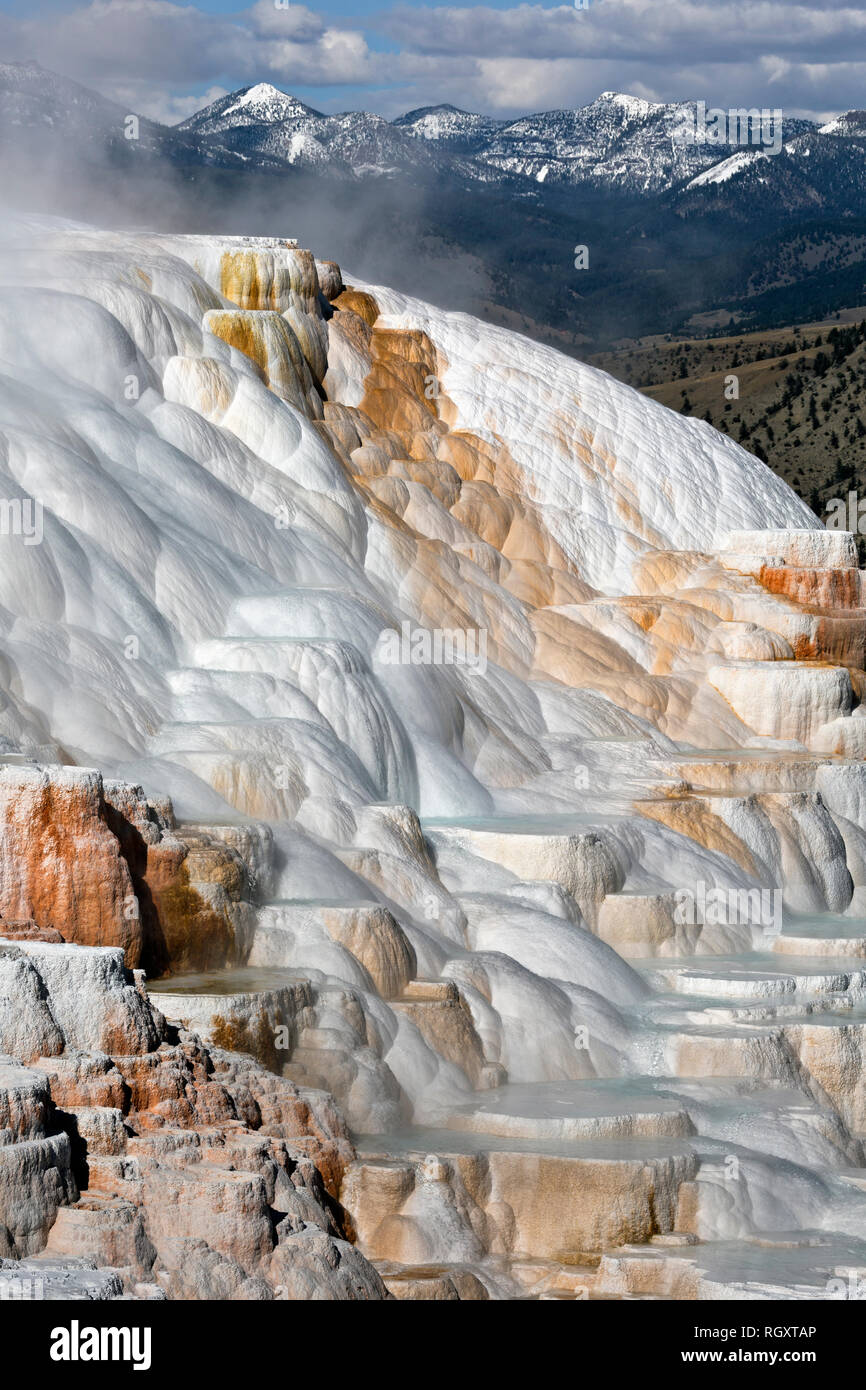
pixel 169 58
pixel 176 46
pixel 160 105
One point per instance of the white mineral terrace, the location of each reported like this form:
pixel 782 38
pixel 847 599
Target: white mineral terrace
pixel 573 937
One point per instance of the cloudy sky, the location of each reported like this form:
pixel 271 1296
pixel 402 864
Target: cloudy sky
pixel 167 59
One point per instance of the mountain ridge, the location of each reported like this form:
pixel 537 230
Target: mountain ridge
pixel 617 142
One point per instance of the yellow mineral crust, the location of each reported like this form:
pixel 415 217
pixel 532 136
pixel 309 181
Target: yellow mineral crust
pixel 269 340
pixel 694 819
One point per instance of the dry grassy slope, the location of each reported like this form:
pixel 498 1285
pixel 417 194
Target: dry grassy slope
pixel 802 396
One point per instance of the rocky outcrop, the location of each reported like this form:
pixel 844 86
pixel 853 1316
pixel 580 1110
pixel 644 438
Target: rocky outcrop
pixel 128 1145
pixel 36 1175
pixel 91 861
pixel 61 865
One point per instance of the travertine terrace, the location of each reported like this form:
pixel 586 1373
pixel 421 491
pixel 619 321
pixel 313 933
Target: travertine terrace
pixel 433 844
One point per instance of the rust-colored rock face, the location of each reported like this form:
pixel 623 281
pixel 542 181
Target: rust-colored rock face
pixel 60 863
pixel 189 933
pixel 820 588
pixel 95 864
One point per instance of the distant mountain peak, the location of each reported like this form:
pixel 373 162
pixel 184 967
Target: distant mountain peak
pixel 637 106
pixel 263 93
pixel 849 123
pixel 265 97
pixel 261 104
pixel 440 107
pixel 448 125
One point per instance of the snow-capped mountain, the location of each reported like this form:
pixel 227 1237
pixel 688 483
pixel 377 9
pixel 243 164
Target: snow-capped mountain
pixel 369 144
pixel 617 140
pixel 252 106
pixel 449 127
pixel 617 143
pixel 852 123
pixel 262 120
pixel 817 171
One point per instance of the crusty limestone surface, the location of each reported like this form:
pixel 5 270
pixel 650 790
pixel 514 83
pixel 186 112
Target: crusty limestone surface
pixel 127 1146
